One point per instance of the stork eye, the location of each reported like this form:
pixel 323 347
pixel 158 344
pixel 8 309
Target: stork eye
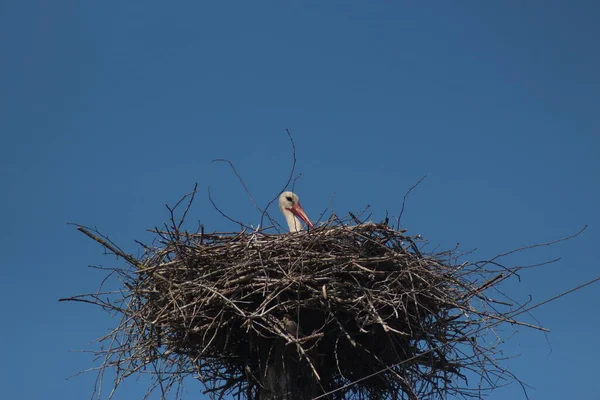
pixel 288 198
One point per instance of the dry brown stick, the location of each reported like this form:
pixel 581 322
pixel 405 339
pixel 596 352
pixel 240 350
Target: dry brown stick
pixel 110 247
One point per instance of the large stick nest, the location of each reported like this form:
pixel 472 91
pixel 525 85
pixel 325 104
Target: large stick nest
pixel 360 308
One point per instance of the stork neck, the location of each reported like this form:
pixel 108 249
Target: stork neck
pixel 293 222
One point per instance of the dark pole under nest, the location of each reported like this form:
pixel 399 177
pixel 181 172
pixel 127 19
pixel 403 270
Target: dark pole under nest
pixel 284 376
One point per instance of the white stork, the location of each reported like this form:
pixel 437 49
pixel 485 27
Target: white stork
pixel 289 204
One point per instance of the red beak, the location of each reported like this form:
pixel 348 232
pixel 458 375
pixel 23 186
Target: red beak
pixel 299 212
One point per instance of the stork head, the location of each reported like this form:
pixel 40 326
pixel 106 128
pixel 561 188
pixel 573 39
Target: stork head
pixel 289 204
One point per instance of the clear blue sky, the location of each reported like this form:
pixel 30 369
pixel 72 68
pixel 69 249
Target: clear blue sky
pixel 108 110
